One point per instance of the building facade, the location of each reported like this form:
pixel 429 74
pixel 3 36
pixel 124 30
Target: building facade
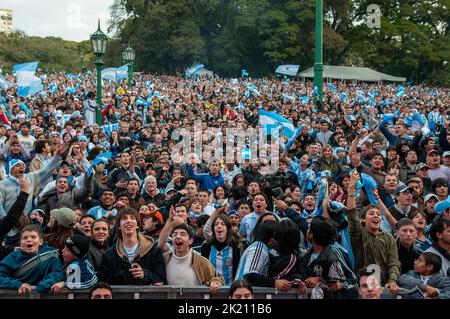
pixel 6 22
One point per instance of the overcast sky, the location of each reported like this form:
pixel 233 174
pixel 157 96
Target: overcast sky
pixel 69 19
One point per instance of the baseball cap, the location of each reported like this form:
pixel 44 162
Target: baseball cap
pixel 414 179
pixel 430 196
pixel 432 151
pixel 233 212
pixel 447 153
pixel 403 188
pixel 442 206
pixel 82 138
pixel 421 166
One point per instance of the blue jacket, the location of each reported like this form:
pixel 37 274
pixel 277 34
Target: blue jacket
pixel 206 180
pixel 42 270
pixel 10 188
pixel 439 281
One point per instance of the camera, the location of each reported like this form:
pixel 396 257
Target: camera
pixel 217 205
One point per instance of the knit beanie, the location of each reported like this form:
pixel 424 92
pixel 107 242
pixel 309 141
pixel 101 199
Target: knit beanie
pixel 78 245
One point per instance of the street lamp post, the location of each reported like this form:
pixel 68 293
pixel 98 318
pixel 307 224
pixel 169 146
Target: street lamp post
pixel 81 61
pixel 99 40
pixel 318 65
pixel 128 56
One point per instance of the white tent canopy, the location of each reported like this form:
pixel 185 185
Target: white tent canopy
pixel 351 73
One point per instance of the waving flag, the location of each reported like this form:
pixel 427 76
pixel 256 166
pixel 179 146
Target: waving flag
pixel 389 116
pixel 272 120
pixel 36 86
pixel 372 102
pixel 253 89
pixel 25 77
pixel 4 84
pixel 304 99
pixel 122 72
pixel 246 153
pixel 291 141
pixel 316 91
pixel 343 97
pixel 108 128
pixel 244 73
pixel 109 74
pixel 194 69
pixel 240 106
pixel 101 158
pixel 332 88
pixel 288 69
pixel 53 88
pixel 400 91
pixel 140 101
pixel 71 76
pixel 25 108
pixel 369 185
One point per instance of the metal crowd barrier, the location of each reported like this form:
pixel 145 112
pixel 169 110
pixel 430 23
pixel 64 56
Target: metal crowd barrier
pixel 173 292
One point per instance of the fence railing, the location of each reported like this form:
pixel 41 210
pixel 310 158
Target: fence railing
pixel 171 292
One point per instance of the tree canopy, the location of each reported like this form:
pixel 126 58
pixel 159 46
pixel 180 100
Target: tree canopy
pixel 258 35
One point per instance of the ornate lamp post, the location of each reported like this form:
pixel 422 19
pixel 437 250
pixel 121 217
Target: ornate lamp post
pixel 99 40
pixel 128 56
pixel 318 65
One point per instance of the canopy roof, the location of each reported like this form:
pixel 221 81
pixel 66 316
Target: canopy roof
pixel 351 73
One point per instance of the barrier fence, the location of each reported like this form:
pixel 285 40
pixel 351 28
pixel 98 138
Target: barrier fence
pixel 173 292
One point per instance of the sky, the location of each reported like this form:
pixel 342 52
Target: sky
pixel 72 20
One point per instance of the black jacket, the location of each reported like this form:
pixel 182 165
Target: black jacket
pixel 115 267
pixel 407 256
pixel 330 265
pixel 95 253
pixel 12 218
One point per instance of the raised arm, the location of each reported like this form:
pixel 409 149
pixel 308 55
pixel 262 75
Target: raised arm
pixel 391 219
pixel 355 227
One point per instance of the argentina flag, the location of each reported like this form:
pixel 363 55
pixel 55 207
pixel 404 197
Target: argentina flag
pixel 109 74
pixel 25 77
pixel 4 84
pixel 194 69
pixel 271 120
pixel 288 69
pixel 108 128
pixel 122 72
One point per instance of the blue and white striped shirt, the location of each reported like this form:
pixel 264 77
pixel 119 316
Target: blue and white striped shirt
pixel 99 212
pixel 255 259
pixel 223 262
pixel 248 224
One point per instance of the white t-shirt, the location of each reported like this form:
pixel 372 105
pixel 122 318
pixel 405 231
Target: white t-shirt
pixel 179 271
pixel 131 252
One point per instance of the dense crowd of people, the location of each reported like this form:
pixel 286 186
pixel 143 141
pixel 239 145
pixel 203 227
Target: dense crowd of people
pixel 358 202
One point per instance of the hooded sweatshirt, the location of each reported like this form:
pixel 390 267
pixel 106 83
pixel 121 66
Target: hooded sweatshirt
pixel 115 266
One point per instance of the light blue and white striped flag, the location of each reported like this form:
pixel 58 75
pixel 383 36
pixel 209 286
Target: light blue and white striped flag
pixel 53 88
pixel 246 153
pixel 109 74
pixel 271 120
pixel 4 84
pixel 108 128
pixel 122 72
pixel 25 77
pixel 288 69
pixel 332 88
pixel 194 69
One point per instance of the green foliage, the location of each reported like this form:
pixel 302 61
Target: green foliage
pixel 54 54
pixel 258 35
